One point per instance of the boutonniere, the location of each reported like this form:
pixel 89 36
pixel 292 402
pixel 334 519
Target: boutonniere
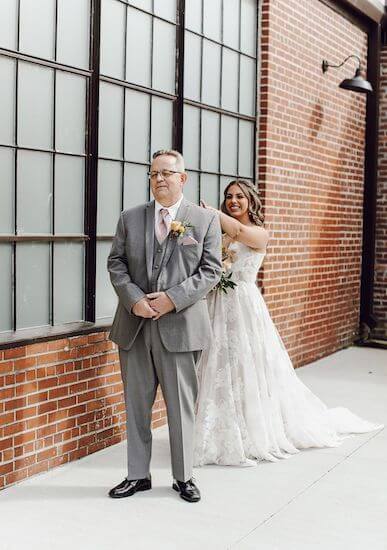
pixel 179 229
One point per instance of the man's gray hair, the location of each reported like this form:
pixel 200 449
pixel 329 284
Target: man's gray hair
pixel 172 153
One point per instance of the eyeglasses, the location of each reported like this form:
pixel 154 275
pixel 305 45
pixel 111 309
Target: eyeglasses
pixel 165 174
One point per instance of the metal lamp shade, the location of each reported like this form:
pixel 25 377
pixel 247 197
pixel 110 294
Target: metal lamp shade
pixel 356 84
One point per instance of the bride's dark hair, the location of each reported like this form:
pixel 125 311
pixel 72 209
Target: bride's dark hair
pixel 251 193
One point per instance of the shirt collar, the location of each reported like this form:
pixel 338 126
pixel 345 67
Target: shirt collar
pixel 171 209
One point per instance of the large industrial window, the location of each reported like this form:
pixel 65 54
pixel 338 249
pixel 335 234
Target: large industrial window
pixel 44 72
pixel 219 94
pixel 90 88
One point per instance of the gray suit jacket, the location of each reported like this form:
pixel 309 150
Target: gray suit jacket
pixel 187 274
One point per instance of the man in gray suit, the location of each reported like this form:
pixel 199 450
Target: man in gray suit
pixel 165 258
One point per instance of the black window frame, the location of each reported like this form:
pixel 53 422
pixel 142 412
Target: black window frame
pixel 18 337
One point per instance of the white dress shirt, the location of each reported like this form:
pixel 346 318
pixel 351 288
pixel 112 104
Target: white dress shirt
pixel 171 209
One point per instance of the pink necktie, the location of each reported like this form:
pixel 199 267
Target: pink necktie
pixel 163 226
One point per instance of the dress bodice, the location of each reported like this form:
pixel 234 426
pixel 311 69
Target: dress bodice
pixel 246 262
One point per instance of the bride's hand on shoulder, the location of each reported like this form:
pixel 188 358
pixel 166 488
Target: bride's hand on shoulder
pixel 208 207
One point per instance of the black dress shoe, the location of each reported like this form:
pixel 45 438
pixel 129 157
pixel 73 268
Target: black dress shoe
pixel 187 489
pixel 128 487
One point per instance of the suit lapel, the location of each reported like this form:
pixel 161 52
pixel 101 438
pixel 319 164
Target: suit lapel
pixel 181 216
pixel 149 237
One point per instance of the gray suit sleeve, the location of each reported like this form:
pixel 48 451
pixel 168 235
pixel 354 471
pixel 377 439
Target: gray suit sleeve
pixel 208 274
pixel 117 264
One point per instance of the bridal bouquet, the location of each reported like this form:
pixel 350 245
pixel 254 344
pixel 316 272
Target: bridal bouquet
pixel 226 281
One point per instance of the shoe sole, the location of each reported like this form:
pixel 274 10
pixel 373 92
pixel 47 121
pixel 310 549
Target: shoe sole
pixel 134 492
pixel 183 497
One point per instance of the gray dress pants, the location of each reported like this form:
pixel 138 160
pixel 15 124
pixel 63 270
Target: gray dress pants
pixel 147 364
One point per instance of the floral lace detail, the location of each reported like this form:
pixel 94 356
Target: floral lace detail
pixel 252 405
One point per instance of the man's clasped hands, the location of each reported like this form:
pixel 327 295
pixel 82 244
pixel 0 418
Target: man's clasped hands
pixel 153 306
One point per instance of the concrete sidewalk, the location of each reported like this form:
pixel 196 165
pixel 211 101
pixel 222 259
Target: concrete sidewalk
pixel 329 498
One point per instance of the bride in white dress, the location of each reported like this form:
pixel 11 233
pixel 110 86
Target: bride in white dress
pixel 251 405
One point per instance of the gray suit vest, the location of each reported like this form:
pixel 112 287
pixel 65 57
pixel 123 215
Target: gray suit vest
pixel 158 257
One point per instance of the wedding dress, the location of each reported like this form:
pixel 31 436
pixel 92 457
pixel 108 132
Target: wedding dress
pixel 251 404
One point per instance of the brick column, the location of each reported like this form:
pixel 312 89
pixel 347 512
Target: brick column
pixel 380 281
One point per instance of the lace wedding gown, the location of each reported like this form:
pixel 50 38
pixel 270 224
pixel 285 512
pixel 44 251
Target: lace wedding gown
pixel 252 405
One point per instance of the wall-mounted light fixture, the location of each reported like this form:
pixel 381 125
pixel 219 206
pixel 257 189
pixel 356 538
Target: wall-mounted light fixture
pixel 355 84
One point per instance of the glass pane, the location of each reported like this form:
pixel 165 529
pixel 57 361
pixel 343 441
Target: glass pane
pixel 109 196
pixel 35 106
pixel 138 48
pixel 193 15
pixel 144 4
pixel 34 175
pixel 249 26
pixel 191 137
pixel 224 181
pixel 164 56
pixel 106 298
pixel 212 19
pixel 69 194
pixel 231 23
pixel 7 100
pixel 7 183
pixel 5 287
pixel 210 141
pixel 229 145
pixel 247 86
pixel 192 66
pixel 191 187
pixel 73 32
pixel 68 282
pixel 209 189
pixel 137 120
pixel 70 112
pixel 211 73
pixel 230 80
pixel 166 9
pixel 32 285
pixel 110 120
pixel 8 24
pixel 37 28
pixel 136 185
pixel 112 38
pixel 246 148
pixel 161 137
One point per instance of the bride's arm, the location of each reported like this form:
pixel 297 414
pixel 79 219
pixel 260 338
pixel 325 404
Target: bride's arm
pixel 250 235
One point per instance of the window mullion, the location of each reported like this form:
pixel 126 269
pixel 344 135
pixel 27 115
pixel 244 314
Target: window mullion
pixel 92 164
pixel 179 101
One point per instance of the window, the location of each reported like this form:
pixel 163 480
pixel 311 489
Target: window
pixel 90 89
pixel 219 95
pixel 45 75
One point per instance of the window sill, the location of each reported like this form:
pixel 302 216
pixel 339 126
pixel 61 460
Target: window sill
pixel 25 337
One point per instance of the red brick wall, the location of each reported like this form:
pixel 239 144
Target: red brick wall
pixel 60 401
pixel 380 281
pixel 310 164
